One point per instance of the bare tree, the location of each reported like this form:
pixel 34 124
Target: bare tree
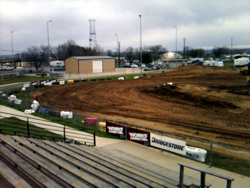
pixel 36 56
pixel 157 51
pixel 129 54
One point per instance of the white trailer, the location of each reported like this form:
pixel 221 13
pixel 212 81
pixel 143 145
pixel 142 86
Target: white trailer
pixel 241 62
pixel 213 63
pixel 57 63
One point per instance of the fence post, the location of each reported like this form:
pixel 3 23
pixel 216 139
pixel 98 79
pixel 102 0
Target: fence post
pixel 94 139
pixel 26 95
pixel 203 179
pixel 28 127
pixel 161 135
pixel 211 155
pixel 78 119
pixel 181 176
pixel 7 93
pixel 64 134
pixel 98 124
pixel 126 130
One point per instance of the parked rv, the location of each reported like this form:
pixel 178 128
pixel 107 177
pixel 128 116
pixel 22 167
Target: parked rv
pixel 57 63
pixel 243 61
pixel 7 68
pixel 213 63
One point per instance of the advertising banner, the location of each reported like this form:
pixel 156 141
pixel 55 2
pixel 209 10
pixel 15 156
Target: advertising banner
pixel 170 144
pixel 26 84
pixel 141 137
pixel 43 82
pixel 34 83
pixel 115 129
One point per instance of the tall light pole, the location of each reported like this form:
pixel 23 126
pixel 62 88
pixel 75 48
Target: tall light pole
pixel 117 47
pixel 141 44
pixel 119 61
pixel 184 48
pixel 232 47
pixel 176 43
pixel 12 46
pixel 48 47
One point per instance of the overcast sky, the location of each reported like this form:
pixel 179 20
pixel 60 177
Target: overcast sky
pixel 204 23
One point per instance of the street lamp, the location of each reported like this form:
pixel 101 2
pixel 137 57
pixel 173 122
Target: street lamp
pixel 48 47
pixel 232 48
pixel 117 47
pixel 176 43
pixel 12 46
pixel 140 44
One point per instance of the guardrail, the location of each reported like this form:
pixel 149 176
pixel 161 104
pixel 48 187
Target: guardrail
pixel 203 176
pixel 40 128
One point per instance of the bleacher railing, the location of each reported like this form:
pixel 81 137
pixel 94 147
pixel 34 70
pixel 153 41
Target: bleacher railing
pixel 27 126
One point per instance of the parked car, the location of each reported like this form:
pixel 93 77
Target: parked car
pixel 8 68
pixel 147 69
pixel 199 63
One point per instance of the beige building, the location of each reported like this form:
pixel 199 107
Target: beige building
pixel 89 64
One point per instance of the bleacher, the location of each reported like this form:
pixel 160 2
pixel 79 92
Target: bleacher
pixel 28 162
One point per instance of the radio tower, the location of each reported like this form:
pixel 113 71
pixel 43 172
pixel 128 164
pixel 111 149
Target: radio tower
pixel 92 34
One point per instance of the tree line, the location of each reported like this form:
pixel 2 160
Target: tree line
pixel 38 56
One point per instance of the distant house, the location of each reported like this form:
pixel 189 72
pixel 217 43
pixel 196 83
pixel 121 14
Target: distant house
pixel 171 55
pixel 89 64
pixel 169 60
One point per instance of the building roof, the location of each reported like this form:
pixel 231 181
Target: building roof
pixel 92 57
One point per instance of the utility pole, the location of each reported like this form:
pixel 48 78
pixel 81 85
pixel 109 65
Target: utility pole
pixel 176 43
pixel 119 63
pixel 92 34
pixel 48 47
pixel 141 43
pixel 232 48
pixel 12 46
pixel 117 47
pixel 184 48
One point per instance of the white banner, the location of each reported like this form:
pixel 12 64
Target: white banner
pixel 170 144
pixel 26 85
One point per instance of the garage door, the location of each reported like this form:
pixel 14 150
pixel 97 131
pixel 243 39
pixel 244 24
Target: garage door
pixel 97 66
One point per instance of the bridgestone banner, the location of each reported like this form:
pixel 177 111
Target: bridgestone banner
pixel 170 144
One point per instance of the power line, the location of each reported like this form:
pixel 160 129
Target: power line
pixel 9 50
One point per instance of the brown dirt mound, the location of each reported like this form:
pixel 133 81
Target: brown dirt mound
pixel 204 102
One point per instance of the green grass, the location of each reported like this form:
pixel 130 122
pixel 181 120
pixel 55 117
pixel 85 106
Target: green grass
pixel 229 163
pixel 15 126
pixel 73 123
pixel 21 79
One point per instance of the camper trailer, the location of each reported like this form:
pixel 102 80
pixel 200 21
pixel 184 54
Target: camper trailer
pixel 57 63
pixel 213 63
pixel 243 61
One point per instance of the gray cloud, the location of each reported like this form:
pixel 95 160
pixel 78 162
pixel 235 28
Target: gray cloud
pixel 203 23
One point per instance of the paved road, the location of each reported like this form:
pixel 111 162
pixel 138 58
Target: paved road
pixel 155 156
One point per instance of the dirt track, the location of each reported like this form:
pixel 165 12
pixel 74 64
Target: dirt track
pixel 210 103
